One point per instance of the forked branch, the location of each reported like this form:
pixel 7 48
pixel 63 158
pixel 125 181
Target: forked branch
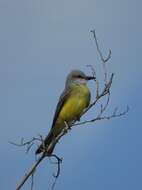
pixel 104 92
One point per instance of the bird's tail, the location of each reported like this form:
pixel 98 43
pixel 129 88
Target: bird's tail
pixel 48 140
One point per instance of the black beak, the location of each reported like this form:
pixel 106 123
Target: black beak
pixel 90 78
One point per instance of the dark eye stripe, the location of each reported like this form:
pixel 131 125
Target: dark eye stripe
pixel 79 76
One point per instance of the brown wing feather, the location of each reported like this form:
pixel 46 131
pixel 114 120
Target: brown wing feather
pixel 64 96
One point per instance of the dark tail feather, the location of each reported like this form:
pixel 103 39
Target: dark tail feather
pixel 47 142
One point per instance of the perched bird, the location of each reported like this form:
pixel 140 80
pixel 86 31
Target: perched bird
pixel 72 102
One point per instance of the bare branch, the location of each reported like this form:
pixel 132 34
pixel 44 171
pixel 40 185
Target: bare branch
pixel 32 180
pixel 30 172
pixel 104 92
pixel 45 154
pixel 96 79
pixel 104 60
pixel 27 144
pixel 98 49
pixel 59 161
pixel 100 117
pixel 100 94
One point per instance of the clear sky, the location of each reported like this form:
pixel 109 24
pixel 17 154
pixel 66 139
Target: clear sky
pixel 40 42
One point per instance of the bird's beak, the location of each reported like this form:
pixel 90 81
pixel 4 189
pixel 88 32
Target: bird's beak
pixel 90 78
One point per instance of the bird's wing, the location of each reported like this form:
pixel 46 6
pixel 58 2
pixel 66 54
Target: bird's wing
pixel 64 96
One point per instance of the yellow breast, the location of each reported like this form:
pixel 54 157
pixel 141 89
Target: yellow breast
pixel 76 103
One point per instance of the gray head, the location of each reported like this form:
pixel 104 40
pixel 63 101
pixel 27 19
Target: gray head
pixel 77 77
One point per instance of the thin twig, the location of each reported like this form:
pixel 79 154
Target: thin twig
pixel 28 144
pixel 30 172
pixel 45 154
pixel 98 49
pixel 104 60
pixel 59 161
pixel 113 115
pixel 32 180
pixel 96 80
pixel 100 116
pixel 105 91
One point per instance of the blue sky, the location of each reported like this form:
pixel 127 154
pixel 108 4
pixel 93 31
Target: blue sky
pixel 40 42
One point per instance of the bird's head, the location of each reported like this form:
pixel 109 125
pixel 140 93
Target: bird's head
pixel 78 77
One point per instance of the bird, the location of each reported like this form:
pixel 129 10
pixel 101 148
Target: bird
pixel 74 99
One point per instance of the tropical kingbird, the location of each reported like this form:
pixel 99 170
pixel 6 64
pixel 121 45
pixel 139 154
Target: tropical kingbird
pixel 72 102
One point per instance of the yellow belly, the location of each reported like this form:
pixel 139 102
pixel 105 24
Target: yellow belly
pixel 75 104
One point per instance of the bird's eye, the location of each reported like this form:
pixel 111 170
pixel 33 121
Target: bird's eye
pixel 79 76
